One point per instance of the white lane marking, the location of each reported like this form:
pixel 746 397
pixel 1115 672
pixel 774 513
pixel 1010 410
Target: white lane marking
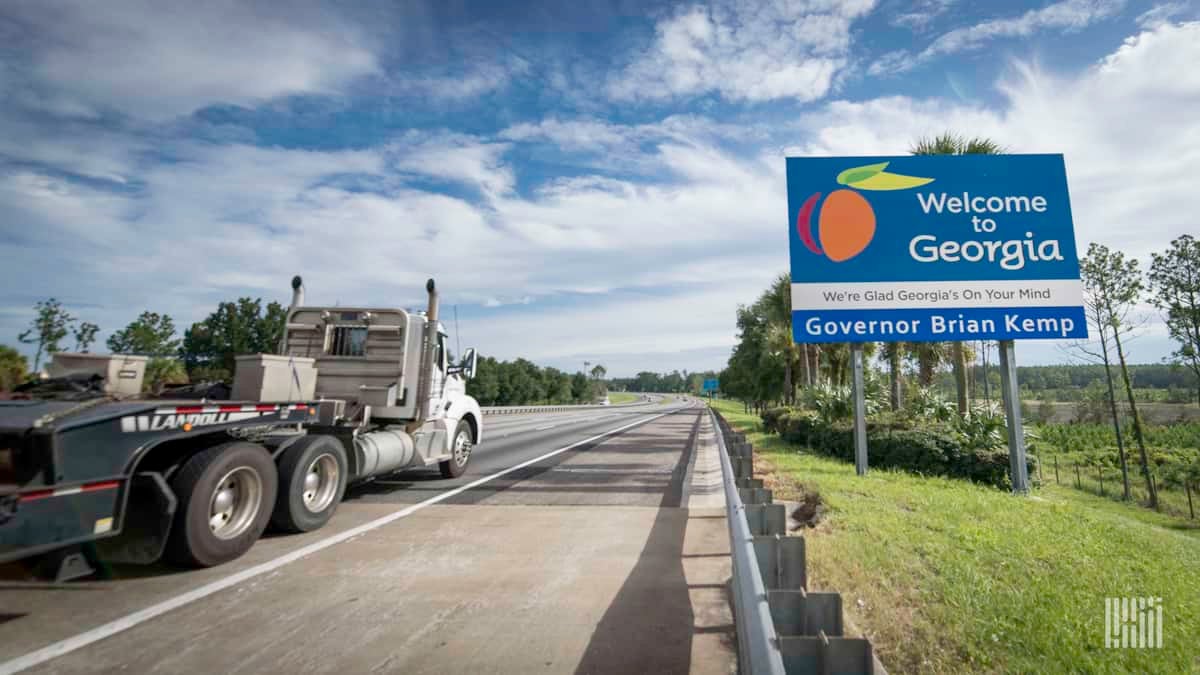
pixel 111 628
pixel 548 426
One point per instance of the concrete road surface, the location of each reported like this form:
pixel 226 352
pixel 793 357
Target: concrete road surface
pixel 577 558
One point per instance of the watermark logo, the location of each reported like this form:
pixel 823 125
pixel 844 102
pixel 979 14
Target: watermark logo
pixel 846 221
pixel 1133 623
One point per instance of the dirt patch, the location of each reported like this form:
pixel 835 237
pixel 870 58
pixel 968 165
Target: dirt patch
pixel 810 508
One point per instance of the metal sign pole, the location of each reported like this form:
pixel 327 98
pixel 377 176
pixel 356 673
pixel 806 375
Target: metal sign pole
pixel 1012 412
pixel 860 411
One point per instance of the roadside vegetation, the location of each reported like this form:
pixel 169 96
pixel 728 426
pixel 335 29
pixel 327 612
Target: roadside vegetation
pixel 674 382
pixel 950 576
pixel 615 397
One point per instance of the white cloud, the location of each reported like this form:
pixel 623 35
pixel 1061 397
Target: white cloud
pixel 454 157
pixel 918 15
pixel 1125 126
pixel 1160 14
pixel 608 264
pixel 158 60
pixel 222 221
pixel 478 79
pixel 744 50
pixel 1066 15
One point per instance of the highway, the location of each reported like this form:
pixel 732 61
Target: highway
pixel 566 547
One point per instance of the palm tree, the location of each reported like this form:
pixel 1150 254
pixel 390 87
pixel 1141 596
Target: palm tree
pixel 928 355
pixel 779 341
pixel 894 351
pixel 954 144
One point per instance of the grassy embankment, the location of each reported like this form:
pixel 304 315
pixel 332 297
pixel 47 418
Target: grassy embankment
pixel 615 397
pixel 947 576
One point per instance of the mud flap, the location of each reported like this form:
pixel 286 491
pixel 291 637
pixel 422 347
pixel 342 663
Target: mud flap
pixel 148 516
pixel 64 565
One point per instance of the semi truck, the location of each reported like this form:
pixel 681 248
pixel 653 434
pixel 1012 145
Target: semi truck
pixel 352 394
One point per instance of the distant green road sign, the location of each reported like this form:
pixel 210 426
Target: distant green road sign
pixel 710 385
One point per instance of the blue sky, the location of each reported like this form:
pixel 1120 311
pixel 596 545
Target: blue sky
pixel 596 181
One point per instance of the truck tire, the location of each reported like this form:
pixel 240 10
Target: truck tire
pixel 312 479
pixel 460 451
pixel 225 496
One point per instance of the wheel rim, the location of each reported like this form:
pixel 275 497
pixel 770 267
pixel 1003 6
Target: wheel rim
pixel 235 503
pixel 462 448
pixel 320 483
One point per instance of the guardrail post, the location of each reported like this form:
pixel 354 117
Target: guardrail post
pixel 823 654
pixel 766 519
pixel 802 613
pixel 782 562
pixel 755 495
pixel 743 467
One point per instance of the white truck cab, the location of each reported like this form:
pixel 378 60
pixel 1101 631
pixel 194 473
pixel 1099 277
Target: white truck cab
pixel 388 375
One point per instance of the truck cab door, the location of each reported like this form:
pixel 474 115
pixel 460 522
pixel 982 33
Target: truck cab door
pixel 437 379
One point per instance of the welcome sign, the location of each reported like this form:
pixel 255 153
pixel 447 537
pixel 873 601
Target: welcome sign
pixel 932 247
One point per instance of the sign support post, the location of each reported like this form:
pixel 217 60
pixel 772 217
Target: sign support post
pixel 1012 413
pixel 860 410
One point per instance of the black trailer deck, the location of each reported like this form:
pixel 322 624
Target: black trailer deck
pixel 68 468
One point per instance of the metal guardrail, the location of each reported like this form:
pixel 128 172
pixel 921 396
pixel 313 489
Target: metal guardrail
pixel 758 645
pixel 782 627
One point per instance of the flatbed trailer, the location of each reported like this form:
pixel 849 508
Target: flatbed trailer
pixel 197 482
pixel 77 469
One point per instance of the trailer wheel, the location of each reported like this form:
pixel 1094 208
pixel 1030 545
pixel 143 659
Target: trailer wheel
pixel 225 495
pixel 460 452
pixel 312 479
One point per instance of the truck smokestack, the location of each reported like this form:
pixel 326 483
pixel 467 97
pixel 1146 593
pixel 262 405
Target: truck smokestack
pixel 425 386
pixel 297 292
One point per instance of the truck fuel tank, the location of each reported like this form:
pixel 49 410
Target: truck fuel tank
pixel 384 451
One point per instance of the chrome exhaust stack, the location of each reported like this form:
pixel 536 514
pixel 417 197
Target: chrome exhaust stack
pixel 297 292
pixel 425 388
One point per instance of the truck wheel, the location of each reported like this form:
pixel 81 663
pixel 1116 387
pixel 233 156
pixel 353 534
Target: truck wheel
pixel 312 478
pixel 225 495
pixel 460 452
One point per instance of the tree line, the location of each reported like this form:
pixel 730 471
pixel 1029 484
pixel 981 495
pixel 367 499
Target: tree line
pixel 206 352
pixel 1165 376
pixel 674 382
pixel 521 382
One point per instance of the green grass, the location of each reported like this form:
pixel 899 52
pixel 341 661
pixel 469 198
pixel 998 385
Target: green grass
pixel 946 576
pixel 615 397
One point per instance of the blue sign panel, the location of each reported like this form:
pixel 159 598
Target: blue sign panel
pixel 710 385
pixel 932 247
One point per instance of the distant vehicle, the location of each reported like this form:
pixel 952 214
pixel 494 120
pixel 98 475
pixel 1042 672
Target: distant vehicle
pixel 351 395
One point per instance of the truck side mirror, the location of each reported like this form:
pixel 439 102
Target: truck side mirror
pixel 469 363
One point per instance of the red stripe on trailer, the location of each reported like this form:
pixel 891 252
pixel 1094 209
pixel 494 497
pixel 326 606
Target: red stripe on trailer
pixel 188 409
pixel 263 408
pixel 103 485
pixel 36 494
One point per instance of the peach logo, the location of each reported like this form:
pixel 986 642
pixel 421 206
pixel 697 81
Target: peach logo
pixel 846 222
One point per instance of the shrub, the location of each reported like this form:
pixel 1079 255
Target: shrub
pixel 926 405
pixel 931 450
pixel 770 418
